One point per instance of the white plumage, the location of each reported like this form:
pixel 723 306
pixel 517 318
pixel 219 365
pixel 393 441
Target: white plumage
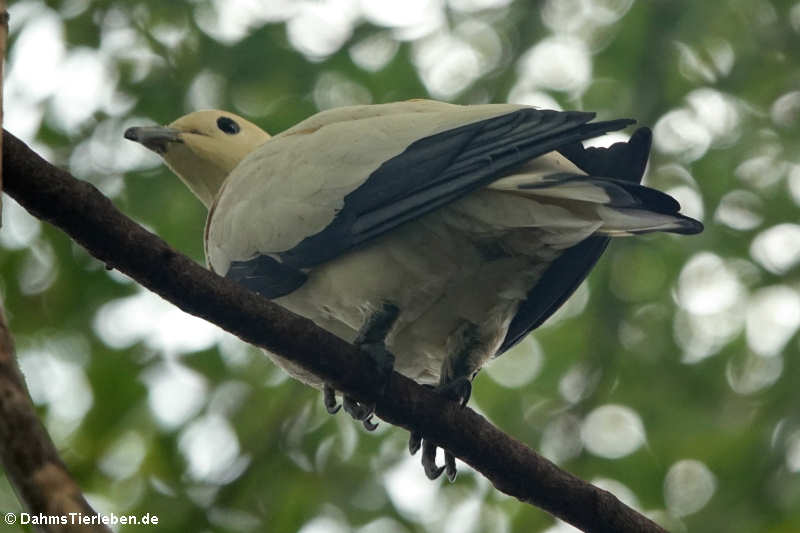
pixel 473 223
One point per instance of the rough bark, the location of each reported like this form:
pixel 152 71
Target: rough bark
pixel 29 457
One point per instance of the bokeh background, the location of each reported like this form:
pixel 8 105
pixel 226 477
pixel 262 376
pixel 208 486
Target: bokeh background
pixel 670 377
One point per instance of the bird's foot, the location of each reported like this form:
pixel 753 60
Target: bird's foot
pixel 433 471
pixel 458 390
pixel 361 411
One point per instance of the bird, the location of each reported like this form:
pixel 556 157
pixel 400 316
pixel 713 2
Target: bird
pixel 433 236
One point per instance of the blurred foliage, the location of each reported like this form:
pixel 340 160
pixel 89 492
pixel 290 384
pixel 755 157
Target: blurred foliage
pixel 668 378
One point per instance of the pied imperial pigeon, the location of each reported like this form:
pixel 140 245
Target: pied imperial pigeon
pixel 433 236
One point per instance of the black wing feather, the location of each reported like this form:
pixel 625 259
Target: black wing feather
pixel 621 193
pixel 266 276
pixel 624 161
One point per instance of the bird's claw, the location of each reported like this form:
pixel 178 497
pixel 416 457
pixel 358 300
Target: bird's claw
pixel 329 397
pixel 458 390
pixel 450 466
pixel 369 425
pixel 414 442
pixel 429 461
pixel 360 411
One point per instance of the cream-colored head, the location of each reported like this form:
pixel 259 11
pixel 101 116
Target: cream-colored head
pixel 202 147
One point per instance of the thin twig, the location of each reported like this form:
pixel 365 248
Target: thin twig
pixel 92 220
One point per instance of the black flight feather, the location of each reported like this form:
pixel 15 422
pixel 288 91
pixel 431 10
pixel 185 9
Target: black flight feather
pixel 624 161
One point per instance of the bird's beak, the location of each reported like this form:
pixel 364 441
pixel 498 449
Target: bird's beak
pixel 156 138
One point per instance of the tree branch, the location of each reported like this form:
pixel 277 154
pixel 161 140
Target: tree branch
pixel 3 43
pixel 92 220
pixel 29 456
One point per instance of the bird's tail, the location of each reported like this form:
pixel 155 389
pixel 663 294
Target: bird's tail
pixel 626 208
pixel 622 207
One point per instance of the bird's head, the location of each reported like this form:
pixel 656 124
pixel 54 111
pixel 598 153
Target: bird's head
pixel 202 147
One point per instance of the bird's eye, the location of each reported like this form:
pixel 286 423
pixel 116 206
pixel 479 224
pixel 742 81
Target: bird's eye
pixel 228 125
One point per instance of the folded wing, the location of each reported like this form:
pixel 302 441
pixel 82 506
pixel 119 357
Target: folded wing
pixel 437 170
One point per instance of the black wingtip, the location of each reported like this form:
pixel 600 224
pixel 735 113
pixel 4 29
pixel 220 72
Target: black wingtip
pixel 642 135
pixel 622 160
pixel 596 129
pixel 688 226
pixel 641 141
pixel 620 123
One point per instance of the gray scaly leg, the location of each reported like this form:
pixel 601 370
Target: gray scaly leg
pixel 371 340
pixel 455 383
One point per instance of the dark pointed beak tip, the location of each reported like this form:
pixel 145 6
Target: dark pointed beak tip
pixel 155 138
pixel 132 134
